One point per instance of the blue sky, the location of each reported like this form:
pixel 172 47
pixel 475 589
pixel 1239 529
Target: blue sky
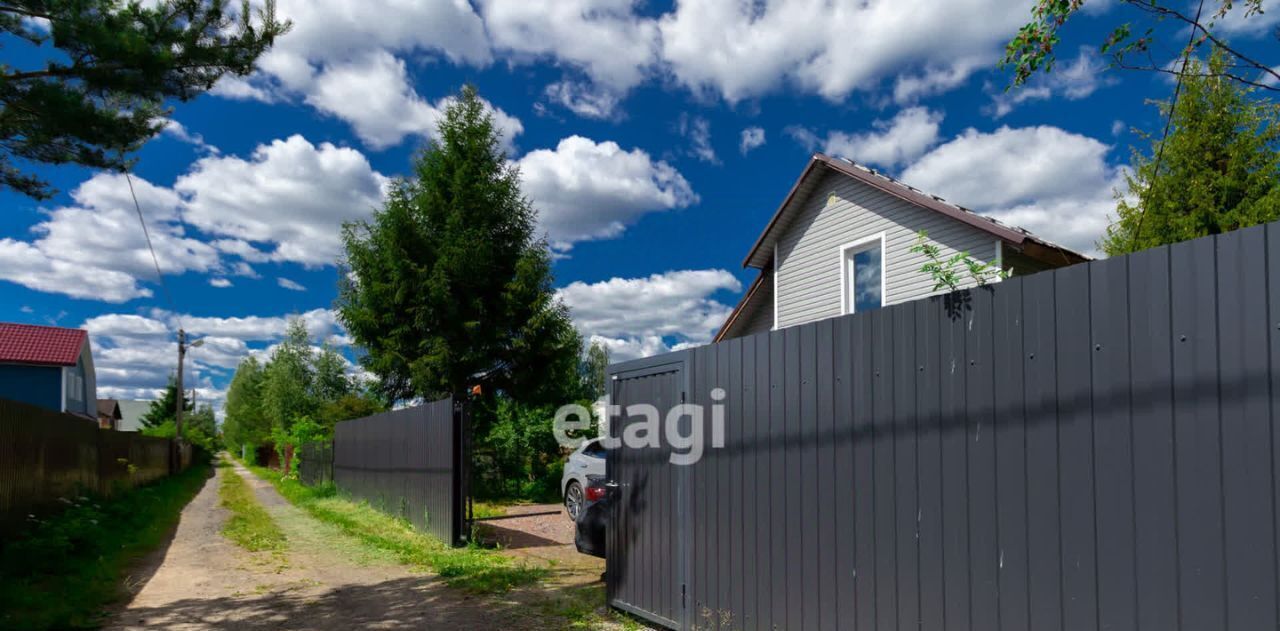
pixel 655 139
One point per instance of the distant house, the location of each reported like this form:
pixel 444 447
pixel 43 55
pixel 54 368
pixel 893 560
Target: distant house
pixel 50 367
pixel 108 413
pixel 131 413
pixel 841 243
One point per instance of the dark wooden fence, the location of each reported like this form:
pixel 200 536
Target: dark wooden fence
pixel 47 455
pixel 408 463
pixel 1094 447
pixel 315 463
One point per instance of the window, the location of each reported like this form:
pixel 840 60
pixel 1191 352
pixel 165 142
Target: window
pixel 594 449
pixel 862 275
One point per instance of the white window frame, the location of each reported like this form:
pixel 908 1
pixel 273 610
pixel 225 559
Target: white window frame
pixel 846 253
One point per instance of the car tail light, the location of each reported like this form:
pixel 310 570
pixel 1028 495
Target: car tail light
pixel 596 493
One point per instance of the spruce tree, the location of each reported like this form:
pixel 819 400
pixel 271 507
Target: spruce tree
pixel 1219 170
pixel 449 281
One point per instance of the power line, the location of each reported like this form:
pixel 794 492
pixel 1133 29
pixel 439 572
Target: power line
pixel 1177 90
pixel 146 233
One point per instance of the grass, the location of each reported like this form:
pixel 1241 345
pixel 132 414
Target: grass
pixel 472 568
pixel 486 510
pixel 62 572
pixel 249 526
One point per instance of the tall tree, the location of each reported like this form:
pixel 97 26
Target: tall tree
pixel 1217 170
pixel 595 367
pixel 107 67
pixel 449 281
pixel 245 421
pixel 164 410
pixel 289 379
pixel 1133 44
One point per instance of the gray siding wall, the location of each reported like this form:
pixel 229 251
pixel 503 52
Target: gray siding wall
pixel 841 211
pixel 84 399
pixel 759 315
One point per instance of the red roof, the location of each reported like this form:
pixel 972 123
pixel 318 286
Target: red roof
pixel 45 345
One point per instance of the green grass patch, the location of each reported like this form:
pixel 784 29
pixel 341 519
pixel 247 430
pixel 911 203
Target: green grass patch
pixel 62 572
pixel 486 510
pixel 249 526
pixel 472 568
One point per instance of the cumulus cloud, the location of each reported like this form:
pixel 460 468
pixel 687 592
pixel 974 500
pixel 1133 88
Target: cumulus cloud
pixel 890 143
pixel 1053 182
pixel 587 190
pixel 290 195
pixel 94 248
pixel 752 138
pixel 605 39
pixel 698 131
pixel 678 310
pixel 220 283
pixel 584 99
pixel 373 94
pixel 741 50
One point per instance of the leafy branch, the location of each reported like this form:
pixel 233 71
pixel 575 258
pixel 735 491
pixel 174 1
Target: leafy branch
pixel 948 273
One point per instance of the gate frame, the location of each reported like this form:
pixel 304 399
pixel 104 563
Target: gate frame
pixel 683 509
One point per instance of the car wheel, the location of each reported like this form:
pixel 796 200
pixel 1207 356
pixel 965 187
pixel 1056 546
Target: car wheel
pixel 573 499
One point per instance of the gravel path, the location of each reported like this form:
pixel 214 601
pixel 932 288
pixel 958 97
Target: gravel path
pixel 324 580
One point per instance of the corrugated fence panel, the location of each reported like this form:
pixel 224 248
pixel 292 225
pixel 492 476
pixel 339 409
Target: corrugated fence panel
pixel 405 462
pixel 47 455
pixel 1092 447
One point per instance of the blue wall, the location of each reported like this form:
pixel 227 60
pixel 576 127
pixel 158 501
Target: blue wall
pixel 37 385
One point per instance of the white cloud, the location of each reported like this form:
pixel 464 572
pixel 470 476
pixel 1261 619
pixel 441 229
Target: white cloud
pixel 904 138
pixel 289 284
pixel 605 39
pixel 678 308
pixel 220 283
pixel 588 190
pixel 934 79
pixel 752 138
pixel 374 95
pixel 1053 182
pixel 95 247
pixel 320 324
pixel 698 130
pixel 178 131
pixel 290 193
pixel 1071 81
pixel 584 99
pixel 741 50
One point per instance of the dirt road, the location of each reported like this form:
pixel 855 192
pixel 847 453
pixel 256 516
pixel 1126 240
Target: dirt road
pixel 324 580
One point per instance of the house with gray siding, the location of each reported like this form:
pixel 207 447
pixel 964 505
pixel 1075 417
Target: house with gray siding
pixel 50 367
pixel 841 243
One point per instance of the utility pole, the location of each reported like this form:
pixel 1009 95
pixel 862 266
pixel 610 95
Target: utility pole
pixel 182 354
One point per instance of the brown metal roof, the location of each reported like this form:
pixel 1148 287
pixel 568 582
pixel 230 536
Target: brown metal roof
pixel 1033 246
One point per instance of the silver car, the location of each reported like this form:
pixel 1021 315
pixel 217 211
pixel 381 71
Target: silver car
pixel 587 459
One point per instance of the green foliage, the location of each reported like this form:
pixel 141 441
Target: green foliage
pixel 245 423
pixel 249 525
pixel 1219 170
pixel 303 430
pixel 165 409
pixel 950 273
pixel 62 572
pixel 516 453
pixel 595 371
pixel 448 280
pixel 107 70
pixel 471 568
pixel 1032 50
pixel 288 383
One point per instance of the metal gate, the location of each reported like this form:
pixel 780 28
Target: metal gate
pixel 647 547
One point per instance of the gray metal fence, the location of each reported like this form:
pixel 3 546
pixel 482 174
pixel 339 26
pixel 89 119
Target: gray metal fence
pixel 47 455
pixel 315 463
pixel 408 463
pixel 1093 447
